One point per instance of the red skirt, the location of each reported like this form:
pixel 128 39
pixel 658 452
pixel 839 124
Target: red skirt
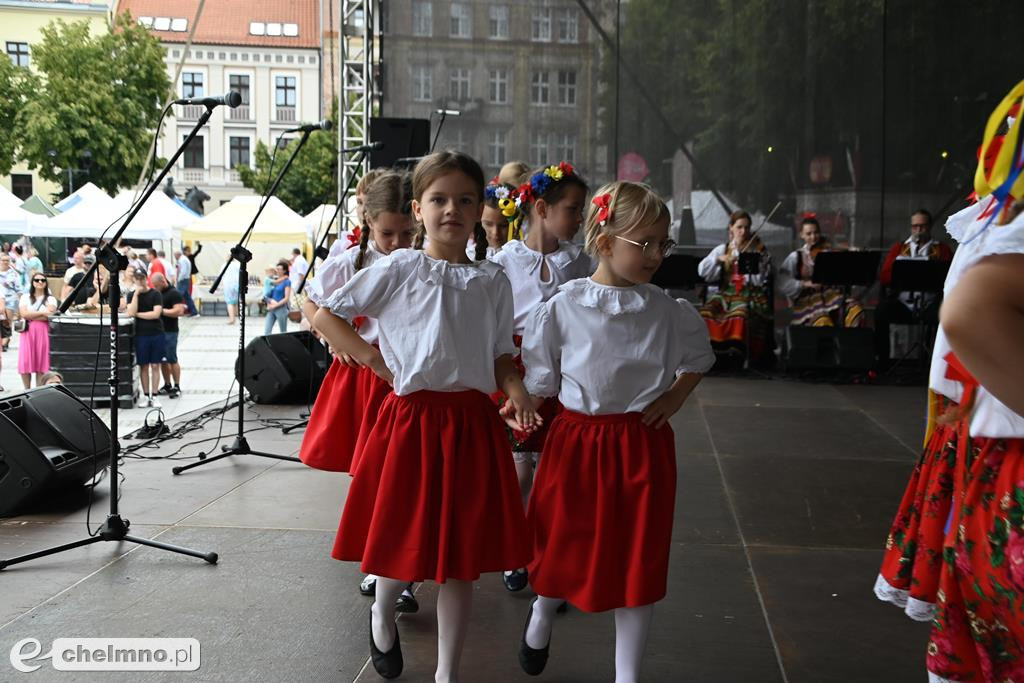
pixel 909 577
pixel 601 511
pixel 979 628
pixel 436 496
pixel 348 398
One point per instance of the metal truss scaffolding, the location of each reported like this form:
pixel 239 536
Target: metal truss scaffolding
pixel 360 62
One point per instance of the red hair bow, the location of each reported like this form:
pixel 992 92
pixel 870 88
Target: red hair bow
pixel 604 204
pixel 808 214
pixel 353 237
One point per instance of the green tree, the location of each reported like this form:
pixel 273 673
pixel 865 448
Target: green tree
pixel 98 93
pixel 12 99
pixel 312 179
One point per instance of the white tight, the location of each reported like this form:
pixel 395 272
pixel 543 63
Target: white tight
pixel 631 627
pixel 454 600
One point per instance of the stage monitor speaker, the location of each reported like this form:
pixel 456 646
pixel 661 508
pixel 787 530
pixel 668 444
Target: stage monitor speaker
pixel 49 441
pixel 402 138
pixel 284 368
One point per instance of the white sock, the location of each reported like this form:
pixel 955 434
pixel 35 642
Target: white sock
pixel 454 601
pixel 538 633
pixel 631 627
pixel 383 610
pixel 524 473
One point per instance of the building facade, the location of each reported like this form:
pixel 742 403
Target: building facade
pixel 21 24
pixel 268 51
pixel 523 75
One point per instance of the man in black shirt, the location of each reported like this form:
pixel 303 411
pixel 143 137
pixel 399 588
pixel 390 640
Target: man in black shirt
pixel 173 308
pixel 146 306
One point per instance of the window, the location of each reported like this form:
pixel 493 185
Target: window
pixel 498 86
pixel 422 84
pixel 193 156
pixel 455 138
pixel 21 185
pixel 499 22
pixel 462 19
pixel 239 152
pixel 422 19
pixel 458 84
pixel 274 29
pixel 565 147
pixel 291 30
pixel 538 148
pixel 284 91
pixel 539 88
pixel 180 25
pixel 257 28
pixel 241 84
pixel 568 26
pixel 496 147
pixel 567 88
pixel 18 52
pixel 162 23
pixel 541 25
pixel 192 84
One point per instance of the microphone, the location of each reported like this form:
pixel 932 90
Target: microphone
pixel 448 112
pixel 369 147
pixel 310 127
pixel 231 99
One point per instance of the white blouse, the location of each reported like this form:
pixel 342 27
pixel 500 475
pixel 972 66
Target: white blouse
pixel 991 417
pixel 710 268
pixel 337 269
pixel 523 267
pixel 441 324
pixel 471 251
pixel 609 350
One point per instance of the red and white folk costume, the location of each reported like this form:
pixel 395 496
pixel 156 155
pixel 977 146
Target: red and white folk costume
pixel 349 399
pixel 436 495
pixel 602 504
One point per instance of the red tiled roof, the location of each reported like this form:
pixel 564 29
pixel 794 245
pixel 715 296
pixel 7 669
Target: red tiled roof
pixel 226 22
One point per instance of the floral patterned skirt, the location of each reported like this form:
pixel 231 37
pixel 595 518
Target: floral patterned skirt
pixel 979 629
pixel 735 318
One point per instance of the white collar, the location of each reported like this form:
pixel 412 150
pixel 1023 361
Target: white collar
pixel 607 299
pixel 439 271
pixel 566 253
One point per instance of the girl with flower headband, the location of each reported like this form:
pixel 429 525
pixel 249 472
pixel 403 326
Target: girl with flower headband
pixel 553 199
pixel 978 630
pixel 435 495
pixel 501 219
pixel 351 395
pixel 622 356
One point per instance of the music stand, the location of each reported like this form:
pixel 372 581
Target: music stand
pixel 677 271
pixel 920 278
pixel 846 268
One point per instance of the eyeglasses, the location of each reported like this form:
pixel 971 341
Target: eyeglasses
pixel 652 250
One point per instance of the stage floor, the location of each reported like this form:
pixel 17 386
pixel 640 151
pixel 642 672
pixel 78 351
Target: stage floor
pixel 786 492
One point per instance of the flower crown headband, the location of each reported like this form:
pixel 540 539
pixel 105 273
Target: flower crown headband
pixel 509 203
pixel 539 183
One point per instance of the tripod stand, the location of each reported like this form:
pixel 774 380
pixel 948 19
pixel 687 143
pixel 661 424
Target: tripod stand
pixel 115 527
pixel 240 446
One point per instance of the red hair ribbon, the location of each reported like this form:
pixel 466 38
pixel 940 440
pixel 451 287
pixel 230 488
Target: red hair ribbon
pixel 353 237
pixel 808 214
pixel 604 204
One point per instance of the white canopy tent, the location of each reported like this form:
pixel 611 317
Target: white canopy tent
pixel 277 232
pixel 87 216
pixel 8 198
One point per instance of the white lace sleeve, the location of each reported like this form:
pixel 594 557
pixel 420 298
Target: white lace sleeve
pixel 367 293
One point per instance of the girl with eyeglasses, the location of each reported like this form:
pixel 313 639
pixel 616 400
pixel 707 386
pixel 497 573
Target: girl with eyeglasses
pixel 37 305
pixel 622 357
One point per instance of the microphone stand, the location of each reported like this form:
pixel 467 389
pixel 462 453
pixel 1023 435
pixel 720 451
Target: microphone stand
pixel 240 446
pixel 321 252
pixel 115 528
pixel 437 133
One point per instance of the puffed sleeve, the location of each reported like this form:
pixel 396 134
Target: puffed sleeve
pixel 331 276
pixel 505 312
pixel 367 293
pixel 692 340
pixel 789 285
pixel 542 353
pixel 710 268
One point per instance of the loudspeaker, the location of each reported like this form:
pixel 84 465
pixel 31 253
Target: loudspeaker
pixel 49 440
pixel 284 368
pixel 402 138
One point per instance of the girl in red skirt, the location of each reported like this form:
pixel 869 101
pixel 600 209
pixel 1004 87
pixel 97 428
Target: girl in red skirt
pixel 622 357
pixel 351 395
pixel 435 497
pixel 979 630
pixel 553 198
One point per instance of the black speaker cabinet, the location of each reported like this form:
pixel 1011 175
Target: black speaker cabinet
pixel 829 348
pixel 402 138
pixel 49 441
pixel 284 368
pixel 80 352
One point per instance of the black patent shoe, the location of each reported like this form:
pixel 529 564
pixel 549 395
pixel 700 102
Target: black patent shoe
pixel 516 581
pixel 406 602
pixel 532 661
pixel 386 664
